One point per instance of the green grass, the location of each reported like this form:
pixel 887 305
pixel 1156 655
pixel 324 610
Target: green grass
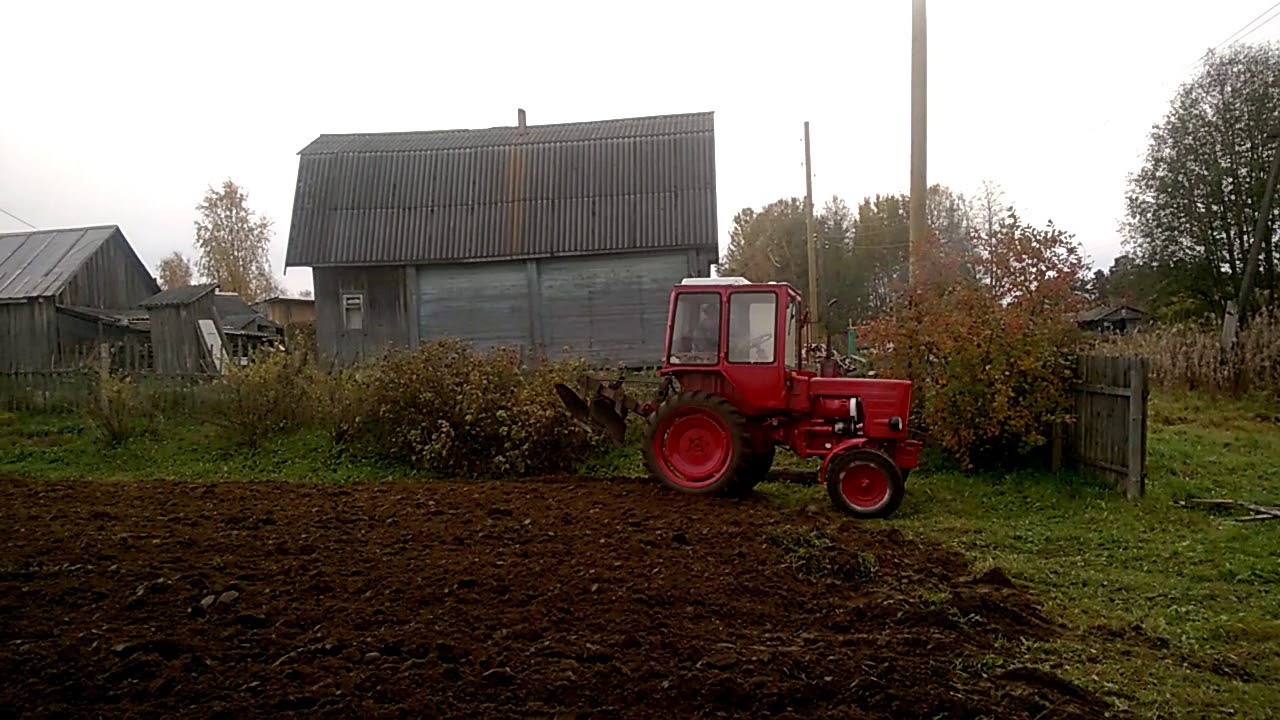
pixel 1173 612
pixel 63 446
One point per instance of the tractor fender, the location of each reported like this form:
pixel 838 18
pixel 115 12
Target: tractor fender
pixel 847 445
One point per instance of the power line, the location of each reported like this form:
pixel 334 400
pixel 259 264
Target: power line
pixel 1233 35
pixel 1202 58
pixel 15 217
pixel 1258 27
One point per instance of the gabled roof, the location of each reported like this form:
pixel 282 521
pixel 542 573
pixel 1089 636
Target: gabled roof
pixel 39 263
pixel 231 304
pixel 471 139
pixel 184 295
pixel 1122 312
pixel 583 188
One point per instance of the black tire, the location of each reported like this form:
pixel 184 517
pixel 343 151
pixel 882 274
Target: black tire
pixel 884 488
pixel 729 451
pixel 755 468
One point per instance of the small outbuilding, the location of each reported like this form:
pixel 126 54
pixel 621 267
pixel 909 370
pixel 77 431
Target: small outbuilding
pixel 56 288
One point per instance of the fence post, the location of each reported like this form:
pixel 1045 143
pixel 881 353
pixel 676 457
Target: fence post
pixel 1135 481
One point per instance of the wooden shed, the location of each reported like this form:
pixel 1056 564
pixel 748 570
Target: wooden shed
pixel 54 285
pixel 179 345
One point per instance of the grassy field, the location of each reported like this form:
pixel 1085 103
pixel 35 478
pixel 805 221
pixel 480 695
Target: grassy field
pixel 1171 611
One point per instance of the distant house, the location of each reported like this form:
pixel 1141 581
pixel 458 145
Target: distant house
pixel 537 236
pixel 54 288
pixel 287 311
pixel 1121 319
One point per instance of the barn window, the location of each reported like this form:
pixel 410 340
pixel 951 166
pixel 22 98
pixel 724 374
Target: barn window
pixel 353 311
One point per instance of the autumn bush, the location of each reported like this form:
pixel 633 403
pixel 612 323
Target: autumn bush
pixel 985 335
pixel 269 396
pixel 456 411
pixel 1189 356
pixel 117 409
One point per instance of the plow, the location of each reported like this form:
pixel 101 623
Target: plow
pixel 733 388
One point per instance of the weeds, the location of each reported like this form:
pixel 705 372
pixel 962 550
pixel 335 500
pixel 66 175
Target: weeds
pixel 1190 358
pixel 119 410
pixel 812 555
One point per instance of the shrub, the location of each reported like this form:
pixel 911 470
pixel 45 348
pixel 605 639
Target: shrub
pixel 984 335
pixel 459 412
pixel 265 398
pixel 117 409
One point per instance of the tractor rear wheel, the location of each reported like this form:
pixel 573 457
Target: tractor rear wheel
pixel 864 483
pixel 755 468
pixel 697 443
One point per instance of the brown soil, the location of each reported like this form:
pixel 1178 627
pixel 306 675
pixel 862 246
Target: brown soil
pixel 549 598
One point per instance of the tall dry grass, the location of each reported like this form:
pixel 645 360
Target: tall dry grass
pixel 1189 357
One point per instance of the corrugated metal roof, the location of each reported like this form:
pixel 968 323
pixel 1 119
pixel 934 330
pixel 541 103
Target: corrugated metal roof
pixel 39 263
pixel 592 187
pixel 470 139
pixel 184 295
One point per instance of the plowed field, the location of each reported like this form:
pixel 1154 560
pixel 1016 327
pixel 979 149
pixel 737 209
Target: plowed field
pixel 561 597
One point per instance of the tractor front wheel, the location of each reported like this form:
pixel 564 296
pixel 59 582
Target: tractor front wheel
pixel 696 443
pixel 864 483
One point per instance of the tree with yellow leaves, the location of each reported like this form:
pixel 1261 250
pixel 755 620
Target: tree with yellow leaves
pixel 234 244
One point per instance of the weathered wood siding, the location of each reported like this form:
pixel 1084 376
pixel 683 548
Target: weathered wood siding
pixel 28 335
pixel 112 278
pixel 387 313
pixel 1109 439
pixel 76 334
pixel 176 341
pixel 611 309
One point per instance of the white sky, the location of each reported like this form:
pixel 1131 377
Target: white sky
pixel 123 112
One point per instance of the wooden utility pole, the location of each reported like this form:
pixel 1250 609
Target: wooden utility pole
pixel 919 98
pixel 1231 321
pixel 811 239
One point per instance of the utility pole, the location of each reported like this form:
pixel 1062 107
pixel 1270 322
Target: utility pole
pixel 810 237
pixel 919 98
pixel 1231 321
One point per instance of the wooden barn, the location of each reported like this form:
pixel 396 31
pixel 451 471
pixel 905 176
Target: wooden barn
pixel 542 237
pixel 63 291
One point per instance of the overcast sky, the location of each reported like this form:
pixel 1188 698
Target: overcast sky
pixel 124 112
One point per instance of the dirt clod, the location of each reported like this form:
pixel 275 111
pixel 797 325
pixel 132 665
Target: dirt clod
pixel 554 597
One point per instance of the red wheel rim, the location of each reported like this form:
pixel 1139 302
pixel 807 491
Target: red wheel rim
pixel 694 448
pixel 865 486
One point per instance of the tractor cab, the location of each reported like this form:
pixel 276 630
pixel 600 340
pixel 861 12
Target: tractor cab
pixel 715 320
pixel 735 337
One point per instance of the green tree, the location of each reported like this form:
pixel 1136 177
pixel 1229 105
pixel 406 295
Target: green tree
pixel 1192 207
pixel 234 244
pixel 861 254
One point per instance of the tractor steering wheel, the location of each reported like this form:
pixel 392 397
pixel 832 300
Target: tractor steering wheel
pixel 760 340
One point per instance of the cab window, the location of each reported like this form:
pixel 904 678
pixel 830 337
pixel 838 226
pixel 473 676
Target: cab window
pixel 752 322
pixel 695 330
pixel 793 335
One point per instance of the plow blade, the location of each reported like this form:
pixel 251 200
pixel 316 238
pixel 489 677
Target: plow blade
pixel 596 405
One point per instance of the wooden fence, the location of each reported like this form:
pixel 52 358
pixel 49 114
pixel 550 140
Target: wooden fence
pixel 1109 437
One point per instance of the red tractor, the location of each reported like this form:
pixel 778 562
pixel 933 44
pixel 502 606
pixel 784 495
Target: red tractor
pixel 733 389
